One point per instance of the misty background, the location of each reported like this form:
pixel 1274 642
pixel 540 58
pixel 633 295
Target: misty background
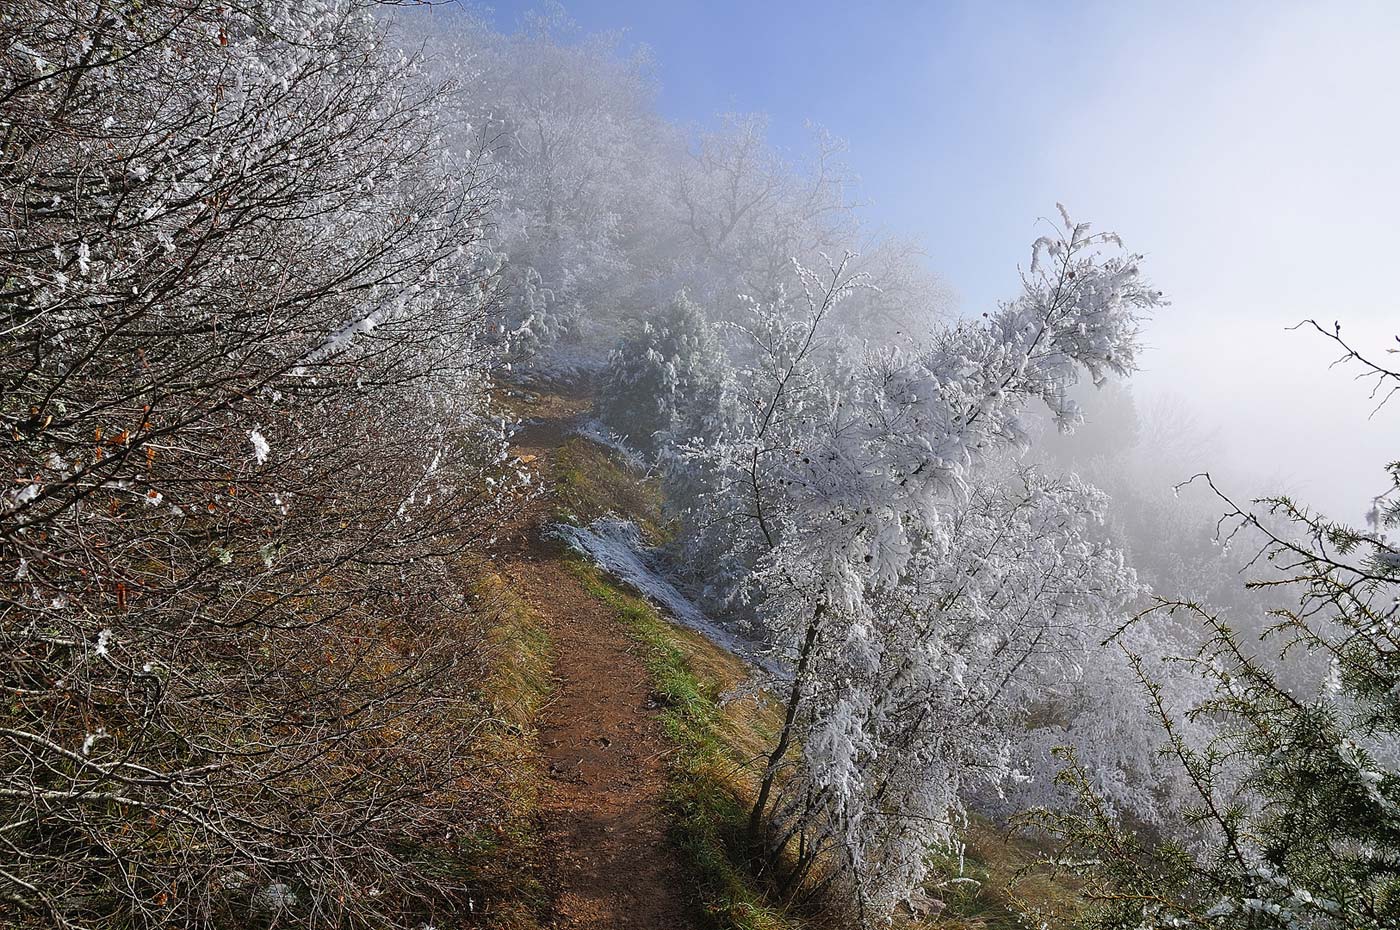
pixel 1247 149
pixel 567 465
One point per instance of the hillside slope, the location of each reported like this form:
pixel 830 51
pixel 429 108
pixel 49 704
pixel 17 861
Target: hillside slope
pixel 646 746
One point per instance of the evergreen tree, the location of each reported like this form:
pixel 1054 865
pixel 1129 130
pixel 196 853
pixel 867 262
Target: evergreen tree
pixel 1298 798
pixel 669 381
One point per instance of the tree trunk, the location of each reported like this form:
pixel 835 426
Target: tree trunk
pixel 756 831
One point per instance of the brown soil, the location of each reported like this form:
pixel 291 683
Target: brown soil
pixel 608 859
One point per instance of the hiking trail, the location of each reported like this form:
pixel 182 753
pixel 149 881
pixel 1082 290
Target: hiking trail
pixel 608 862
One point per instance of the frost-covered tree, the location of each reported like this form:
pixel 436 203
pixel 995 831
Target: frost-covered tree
pixel 845 485
pixel 578 159
pixel 669 381
pixel 1298 796
pixel 668 388
pixel 909 712
pixel 607 210
pixel 746 211
pixel 243 391
pixel 1134 453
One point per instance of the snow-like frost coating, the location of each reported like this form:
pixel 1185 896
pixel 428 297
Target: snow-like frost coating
pixel 597 433
pixel 616 546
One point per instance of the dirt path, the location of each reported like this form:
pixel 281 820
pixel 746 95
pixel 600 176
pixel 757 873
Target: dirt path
pixel 610 864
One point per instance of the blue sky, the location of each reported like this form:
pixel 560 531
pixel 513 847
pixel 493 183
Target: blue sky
pixel 1248 148
pixel 939 102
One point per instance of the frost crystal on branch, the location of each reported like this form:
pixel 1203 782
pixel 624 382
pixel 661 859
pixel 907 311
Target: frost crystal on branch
pixel 223 223
pixel 915 585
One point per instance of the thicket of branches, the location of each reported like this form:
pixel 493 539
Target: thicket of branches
pixel 256 271
pixel 1297 796
pixel 243 294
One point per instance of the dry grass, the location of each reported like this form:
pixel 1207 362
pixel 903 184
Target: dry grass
pixel 1001 878
pixel 502 853
pixel 590 482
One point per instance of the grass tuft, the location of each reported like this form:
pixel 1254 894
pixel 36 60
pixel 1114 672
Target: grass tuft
pixel 590 482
